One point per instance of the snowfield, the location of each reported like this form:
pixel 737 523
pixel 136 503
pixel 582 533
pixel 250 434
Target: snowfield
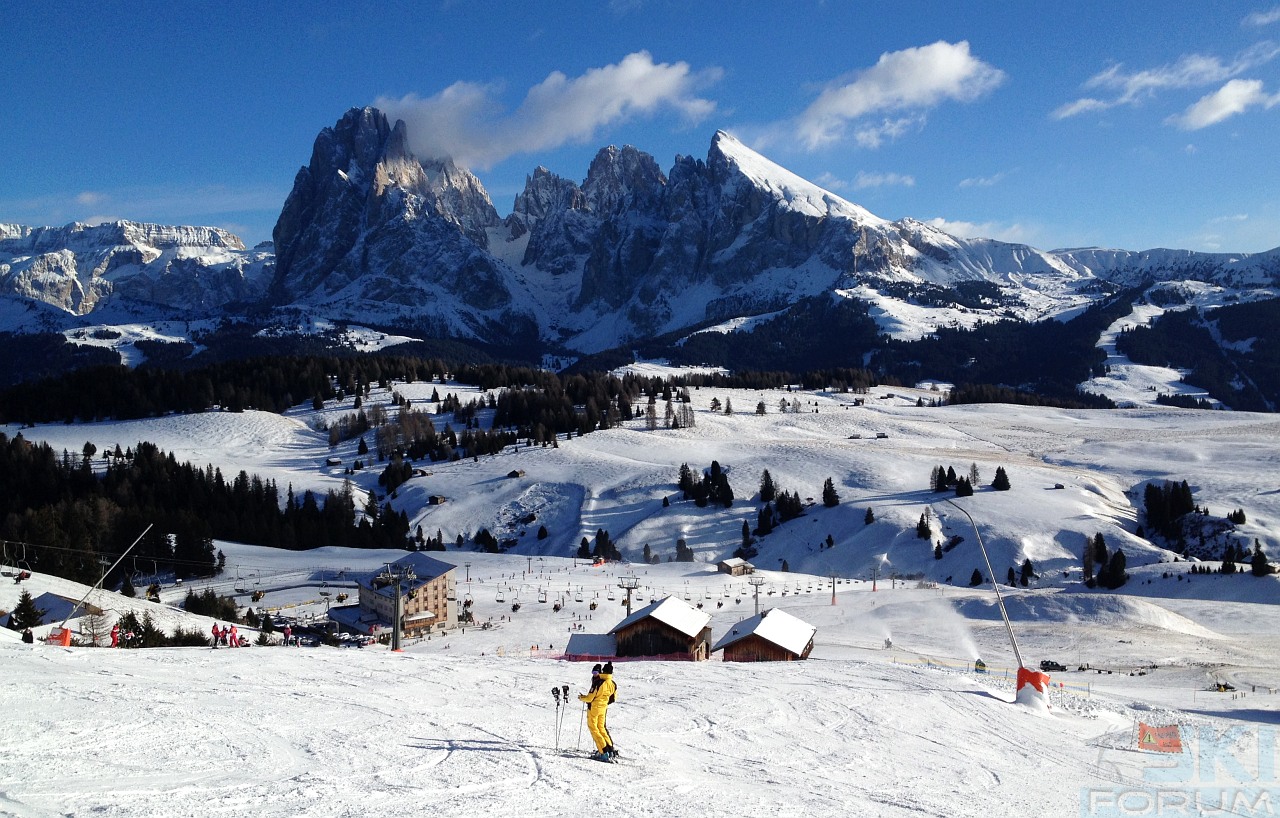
pixel 888 717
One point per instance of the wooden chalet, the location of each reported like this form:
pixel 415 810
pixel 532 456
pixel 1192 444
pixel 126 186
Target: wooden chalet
pixel 771 636
pixel 670 628
pixel 735 567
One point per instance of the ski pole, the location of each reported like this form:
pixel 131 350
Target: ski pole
pixel 564 695
pixel 582 719
pixel 555 693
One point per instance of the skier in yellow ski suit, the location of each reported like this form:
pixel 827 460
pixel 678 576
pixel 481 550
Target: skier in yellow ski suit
pixel 598 700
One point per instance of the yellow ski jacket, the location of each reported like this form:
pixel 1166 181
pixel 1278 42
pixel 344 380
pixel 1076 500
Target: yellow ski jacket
pixel 598 699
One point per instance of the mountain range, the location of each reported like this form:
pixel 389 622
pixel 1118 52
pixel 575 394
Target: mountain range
pixel 372 234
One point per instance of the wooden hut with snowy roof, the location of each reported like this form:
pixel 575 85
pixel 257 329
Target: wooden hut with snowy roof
pixel 670 628
pixel 735 567
pixel 771 636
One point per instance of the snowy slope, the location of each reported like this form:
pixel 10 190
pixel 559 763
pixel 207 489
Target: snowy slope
pixel 466 721
pixel 617 479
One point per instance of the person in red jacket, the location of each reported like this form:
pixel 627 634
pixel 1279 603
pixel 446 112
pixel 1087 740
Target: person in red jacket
pixel 115 635
pixel 598 700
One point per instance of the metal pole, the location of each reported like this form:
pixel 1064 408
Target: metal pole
pixel 104 576
pixel 757 582
pixel 395 624
pixel 996 585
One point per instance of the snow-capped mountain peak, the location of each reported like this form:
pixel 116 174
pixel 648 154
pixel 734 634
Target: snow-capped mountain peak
pixel 791 190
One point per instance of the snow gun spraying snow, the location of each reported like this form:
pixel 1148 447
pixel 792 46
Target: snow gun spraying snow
pixel 1033 685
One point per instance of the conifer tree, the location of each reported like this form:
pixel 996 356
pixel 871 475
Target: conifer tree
pixel 975 579
pixel 1087 563
pixel 923 531
pixel 25 614
pixel 1100 556
pixel 1001 480
pixel 869 517
pixel 830 498
pixel 1028 573
pixel 1258 563
pixel 767 490
pixel 1114 575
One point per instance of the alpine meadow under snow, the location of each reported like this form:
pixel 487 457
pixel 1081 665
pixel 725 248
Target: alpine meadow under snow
pixel 888 716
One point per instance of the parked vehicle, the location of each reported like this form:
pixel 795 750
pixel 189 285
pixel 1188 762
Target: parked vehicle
pixel 1049 664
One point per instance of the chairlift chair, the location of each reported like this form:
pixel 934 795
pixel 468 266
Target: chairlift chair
pixel 542 595
pixel 502 597
pixel 578 596
pixel 20 558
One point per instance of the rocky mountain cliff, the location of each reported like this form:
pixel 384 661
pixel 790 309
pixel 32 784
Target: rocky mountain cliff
pixel 372 234
pixel 75 268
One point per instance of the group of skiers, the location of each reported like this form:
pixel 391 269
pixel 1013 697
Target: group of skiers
pixel 603 692
pixel 227 637
pixel 118 639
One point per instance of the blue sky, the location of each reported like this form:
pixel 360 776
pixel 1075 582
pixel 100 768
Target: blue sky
pixel 1134 125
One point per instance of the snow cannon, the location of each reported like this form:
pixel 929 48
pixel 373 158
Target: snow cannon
pixel 1033 688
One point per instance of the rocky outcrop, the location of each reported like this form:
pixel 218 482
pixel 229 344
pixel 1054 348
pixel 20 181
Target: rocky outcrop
pixel 77 267
pixel 369 226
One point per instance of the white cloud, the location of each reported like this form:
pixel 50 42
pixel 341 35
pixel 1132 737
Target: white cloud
pixel 983 230
pixel 466 122
pixel 874 135
pixel 983 181
pixel 912 80
pixel 1190 71
pixel 89 198
pixel 94 221
pixel 1080 106
pixel 1262 18
pixel 1235 217
pixel 865 180
pixel 1236 97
